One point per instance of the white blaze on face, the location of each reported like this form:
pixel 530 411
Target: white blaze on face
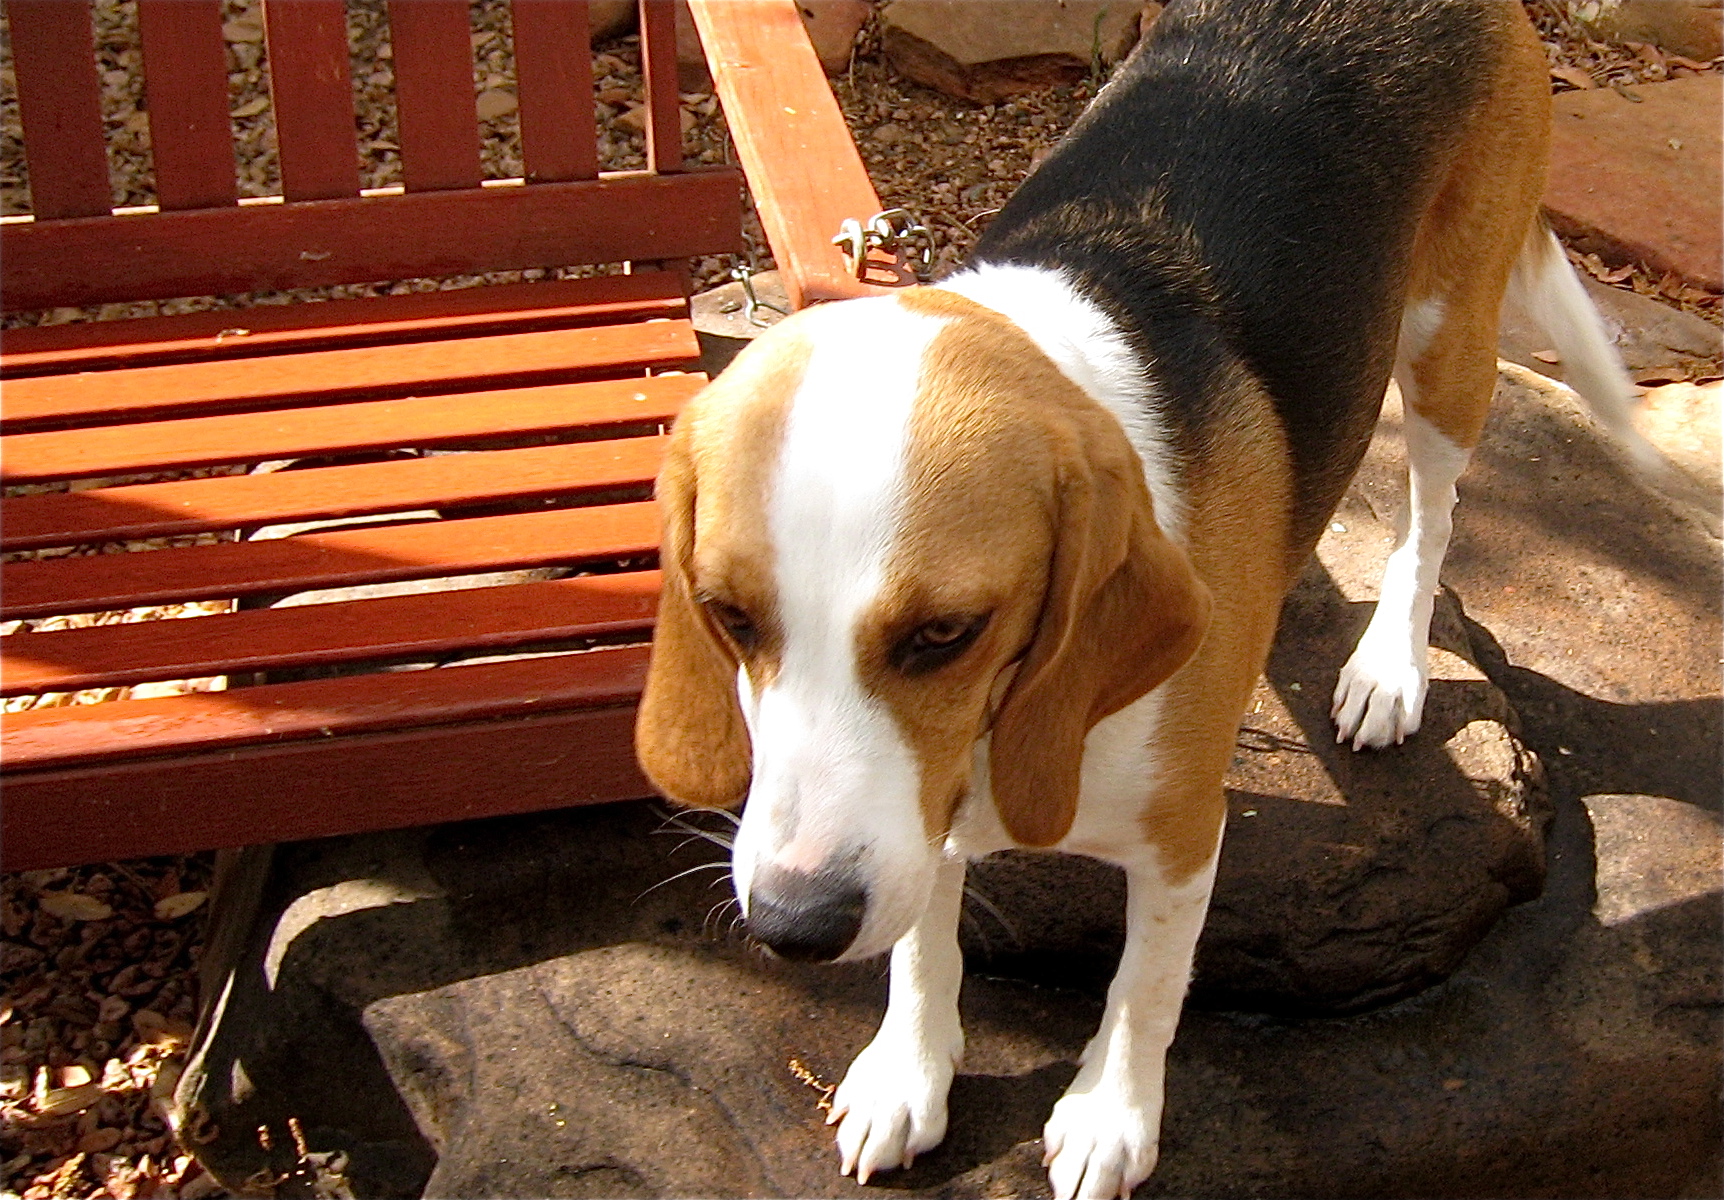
pixel 835 783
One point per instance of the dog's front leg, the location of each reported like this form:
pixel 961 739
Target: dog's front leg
pixel 892 1103
pixel 1103 1136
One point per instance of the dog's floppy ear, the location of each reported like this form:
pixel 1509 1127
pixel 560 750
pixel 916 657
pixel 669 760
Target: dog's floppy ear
pixel 689 733
pixel 1123 611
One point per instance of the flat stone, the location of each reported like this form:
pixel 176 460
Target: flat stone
pixel 1692 28
pixel 985 51
pixel 1641 181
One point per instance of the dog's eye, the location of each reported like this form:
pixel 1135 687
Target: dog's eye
pixel 933 644
pixel 738 624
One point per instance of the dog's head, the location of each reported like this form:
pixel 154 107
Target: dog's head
pixel 892 527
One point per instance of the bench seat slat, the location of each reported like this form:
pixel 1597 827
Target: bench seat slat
pixel 488 618
pixel 423 550
pixel 121 729
pixel 323 376
pixel 285 328
pixel 363 489
pixel 319 787
pixel 332 429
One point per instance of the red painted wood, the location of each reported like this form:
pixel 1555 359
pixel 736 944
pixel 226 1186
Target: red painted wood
pixel 434 95
pixel 322 376
pixel 311 95
pixel 253 501
pixel 373 320
pixel 185 83
pixel 426 550
pixel 60 107
pixel 495 619
pixel 176 804
pixel 554 78
pixel 263 437
pixel 122 729
pixel 804 173
pixel 214 252
pixel 658 68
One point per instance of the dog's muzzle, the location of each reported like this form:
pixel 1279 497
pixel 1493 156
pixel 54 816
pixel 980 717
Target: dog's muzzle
pixel 806 916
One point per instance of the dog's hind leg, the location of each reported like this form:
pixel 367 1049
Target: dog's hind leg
pixel 1381 693
pixel 1470 240
pixel 892 1103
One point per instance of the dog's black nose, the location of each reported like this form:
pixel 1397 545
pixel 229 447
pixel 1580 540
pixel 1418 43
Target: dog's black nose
pixel 806 917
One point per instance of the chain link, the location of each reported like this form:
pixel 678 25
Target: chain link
pixel 893 231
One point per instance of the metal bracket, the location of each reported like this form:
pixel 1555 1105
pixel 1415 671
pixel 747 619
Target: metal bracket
pixel 752 304
pixel 894 231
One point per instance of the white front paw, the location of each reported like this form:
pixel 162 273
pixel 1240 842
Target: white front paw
pixel 1100 1145
pixel 892 1103
pixel 1380 696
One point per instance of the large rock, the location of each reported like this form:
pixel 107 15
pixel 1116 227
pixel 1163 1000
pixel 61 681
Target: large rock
pixel 988 50
pixel 550 1006
pixel 1347 879
pixel 1639 180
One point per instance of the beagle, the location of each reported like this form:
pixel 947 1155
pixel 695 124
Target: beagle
pixel 996 562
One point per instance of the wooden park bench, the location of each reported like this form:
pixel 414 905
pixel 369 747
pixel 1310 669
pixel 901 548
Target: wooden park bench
pixel 503 429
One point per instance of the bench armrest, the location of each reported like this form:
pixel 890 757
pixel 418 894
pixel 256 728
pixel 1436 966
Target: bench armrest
pixel 802 167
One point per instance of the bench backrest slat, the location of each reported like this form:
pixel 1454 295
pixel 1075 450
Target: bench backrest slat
pixel 60 107
pixel 434 94
pixel 554 78
pixel 185 81
pixel 658 69
pixel 311 95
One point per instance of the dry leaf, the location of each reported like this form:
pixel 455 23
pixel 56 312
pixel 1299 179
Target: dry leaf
pixel 60 1101
pixel 1547 356
pixel 74 906
pixel 171 908
pixel 1574 77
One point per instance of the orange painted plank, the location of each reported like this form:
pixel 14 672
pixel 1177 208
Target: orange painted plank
pixel 213 252
pixel 372 320
pixel 803 170
pixel 496 619
pixel 554 75
pixel 434 95
pixel 426 550
pixel 185 83
pixel 311 97
pixel 60 107
pixel 253 501
pixel 326 375
pixel 179 803
pixel 658 71
pixel 122 729
pixel 305 432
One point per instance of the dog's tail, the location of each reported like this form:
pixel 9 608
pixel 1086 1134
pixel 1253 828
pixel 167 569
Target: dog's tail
pixel 1546 287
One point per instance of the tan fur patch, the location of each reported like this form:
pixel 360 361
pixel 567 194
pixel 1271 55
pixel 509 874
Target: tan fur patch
pixel 1237 541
